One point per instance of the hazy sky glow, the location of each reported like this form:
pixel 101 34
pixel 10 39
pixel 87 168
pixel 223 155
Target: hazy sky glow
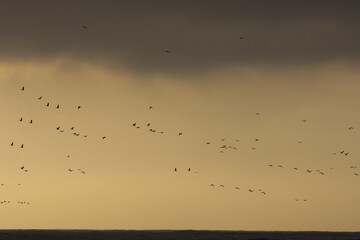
pixel 298 60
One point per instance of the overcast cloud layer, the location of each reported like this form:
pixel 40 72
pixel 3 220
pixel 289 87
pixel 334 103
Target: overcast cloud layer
pixel 200 36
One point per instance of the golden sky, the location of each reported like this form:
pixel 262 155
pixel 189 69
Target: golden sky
pixel 297 61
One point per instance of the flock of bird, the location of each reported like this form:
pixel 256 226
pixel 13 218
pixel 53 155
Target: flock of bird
pixel 22 145
pixel 224 146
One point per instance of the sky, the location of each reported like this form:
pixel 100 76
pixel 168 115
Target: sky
pixel 264 94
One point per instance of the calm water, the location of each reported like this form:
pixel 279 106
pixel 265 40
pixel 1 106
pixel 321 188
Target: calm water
pixel 171 235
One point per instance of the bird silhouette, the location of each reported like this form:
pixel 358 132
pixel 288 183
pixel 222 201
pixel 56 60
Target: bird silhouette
pixel 180 134
pixel 167 51
pixel 212 185
pixel 20 120
pixel 280 166
pixel 12 144
pixel 148 124
pixel 296 168
pixel 189 169
pixel 58 106
pixel 84 26
pixel 22 167
pixel 175 170
pixel 263 193
pixel 58 128
pixel 72 128
pixel 305 120
pixel 134 124
pixel 242 38
pixel 151 107
pixel 40 97
pixel 221 185
pixel 31 121
pixel 103 137
pixel 22 146
pixel 48 104
pixel 23 88
pixel 270 165
pixel 351 128
pixel 237 188
pixel 78 107
pixel 250 190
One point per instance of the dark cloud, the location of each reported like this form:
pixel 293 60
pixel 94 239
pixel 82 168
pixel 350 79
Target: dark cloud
pixel 200 35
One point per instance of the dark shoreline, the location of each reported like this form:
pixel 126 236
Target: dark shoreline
pixel 173 235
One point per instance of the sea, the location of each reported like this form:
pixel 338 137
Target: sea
pixel 171 235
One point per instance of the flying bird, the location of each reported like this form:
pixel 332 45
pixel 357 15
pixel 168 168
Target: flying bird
pixel 79 107
pixel 150 107
pixel 250 190
pixel 20 120
pixel 148 124
pixel 70 170
pixel 180 134
pixel 12 144
pixel 23 88
pixel 237 188
pixel 221 185
pixel 40 97
pixel 31 121
pixel 48 104
pixel 72 128
pixel 242 38
pixel 175 170
pixel 58 128
pixel 84 26
pixel 103 137
pixel 305 120
pixel 212 185
pixel 22 146
pixel 167 51
pixel 58 106
pixel 189 169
